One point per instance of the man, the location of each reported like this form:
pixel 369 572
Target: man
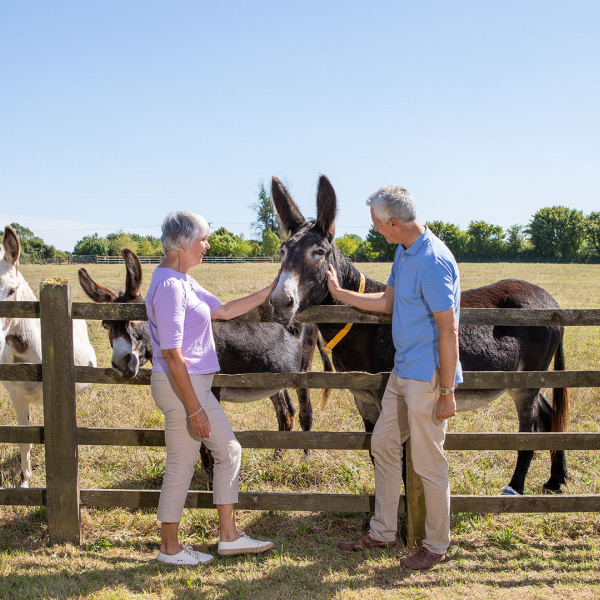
pixel 423 296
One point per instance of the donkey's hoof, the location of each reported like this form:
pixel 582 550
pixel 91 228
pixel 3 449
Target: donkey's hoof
pixel 547 490
pixel 508 491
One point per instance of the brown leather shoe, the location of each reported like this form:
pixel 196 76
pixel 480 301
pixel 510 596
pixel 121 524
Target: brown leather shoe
pixel 363 542
pixel 422 559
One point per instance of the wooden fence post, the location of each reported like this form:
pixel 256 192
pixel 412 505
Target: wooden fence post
pixel 60 423
pixel 415 501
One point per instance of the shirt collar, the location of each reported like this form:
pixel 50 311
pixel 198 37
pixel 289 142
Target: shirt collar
pixel 416 246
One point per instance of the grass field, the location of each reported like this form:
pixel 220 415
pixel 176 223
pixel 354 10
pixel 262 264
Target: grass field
pixel 496 556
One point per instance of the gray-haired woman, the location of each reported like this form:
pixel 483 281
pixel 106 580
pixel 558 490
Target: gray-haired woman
pixel 184 362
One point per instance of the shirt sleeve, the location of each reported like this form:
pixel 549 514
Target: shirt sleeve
pixel 437 286
pixel 169 303
pixel 210 299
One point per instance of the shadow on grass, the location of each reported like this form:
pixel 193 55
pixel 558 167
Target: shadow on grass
pixel 304 564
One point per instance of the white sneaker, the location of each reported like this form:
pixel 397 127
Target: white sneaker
pixel 243 545
pixel 186 557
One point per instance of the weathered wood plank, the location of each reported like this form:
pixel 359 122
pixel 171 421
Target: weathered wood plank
pixel 108 311
pixel 22 497
pixel 524 504
pixel 345 502
pixel 530 317
pixel 326 502
pixel 314 440
pixel 347 314
pixel 60 423
pixel 247 500
pixel 320 440
pixel 363 381
pixel 109 376
pixel 529 379
pixel 21 372
pixel 25 309
pixel 21 434
pixel 522 441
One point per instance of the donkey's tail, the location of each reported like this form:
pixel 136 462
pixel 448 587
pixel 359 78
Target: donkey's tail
pixel 327 367
pixel 560 396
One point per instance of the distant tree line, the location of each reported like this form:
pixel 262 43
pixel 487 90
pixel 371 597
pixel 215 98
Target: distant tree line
pixel 554 234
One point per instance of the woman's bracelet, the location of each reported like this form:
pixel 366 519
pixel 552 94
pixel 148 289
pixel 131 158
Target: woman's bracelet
pixel 195 413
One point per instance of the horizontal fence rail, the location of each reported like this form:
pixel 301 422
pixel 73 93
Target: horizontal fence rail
pixel 314 440
pixel 86 259
pixel 89 436
pixel 331 314
pixel 473 380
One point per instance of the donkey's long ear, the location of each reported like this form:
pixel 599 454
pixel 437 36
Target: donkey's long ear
pixel 326 207
pixel 289 214
pixel 12 246
pixel 97 293
pixel 133 282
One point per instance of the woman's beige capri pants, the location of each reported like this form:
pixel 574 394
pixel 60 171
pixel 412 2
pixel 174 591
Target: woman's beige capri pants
pixel 183 446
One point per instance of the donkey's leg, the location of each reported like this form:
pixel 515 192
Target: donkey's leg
pixel 306 416
pixel 21 408
pixel 207 464
pixel 558 468
pixel 526 405
pixel 285 411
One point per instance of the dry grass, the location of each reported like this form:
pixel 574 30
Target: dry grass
pixel 525 556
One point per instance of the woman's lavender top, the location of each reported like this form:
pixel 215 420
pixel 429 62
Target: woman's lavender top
pixel 179 313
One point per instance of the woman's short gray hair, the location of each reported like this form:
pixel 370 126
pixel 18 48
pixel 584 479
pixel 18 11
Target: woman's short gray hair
pixel 393 201
pixel 182 227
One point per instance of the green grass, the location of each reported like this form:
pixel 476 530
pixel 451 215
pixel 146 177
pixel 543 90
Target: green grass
pixel 493 556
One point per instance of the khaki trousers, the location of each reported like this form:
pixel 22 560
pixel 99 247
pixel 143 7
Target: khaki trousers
pixel 183 446
pixel 408 409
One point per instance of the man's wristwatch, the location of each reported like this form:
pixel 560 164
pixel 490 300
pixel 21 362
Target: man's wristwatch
pixel 446 391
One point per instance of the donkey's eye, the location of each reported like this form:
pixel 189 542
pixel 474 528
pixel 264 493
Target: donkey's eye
pixel 12 292
pixel 319 252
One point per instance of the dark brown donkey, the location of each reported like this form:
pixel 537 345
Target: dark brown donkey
pixel 306 256
pixel 241 348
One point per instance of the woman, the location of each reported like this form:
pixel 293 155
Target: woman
pixel 184 362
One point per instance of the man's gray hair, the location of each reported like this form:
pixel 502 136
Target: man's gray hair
pixel 393 201
pixel 182 227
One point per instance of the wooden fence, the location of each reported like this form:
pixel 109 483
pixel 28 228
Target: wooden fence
pixel 63 497
pixel 115 260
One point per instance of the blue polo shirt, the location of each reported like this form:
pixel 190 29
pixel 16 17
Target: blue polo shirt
pixel 425 280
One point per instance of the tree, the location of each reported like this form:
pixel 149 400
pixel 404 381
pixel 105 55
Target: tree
pixel 33 248
pixel 270 243
pixel 592 231
pixel 454 237
pixel 380 246
pixel 349 244
pixel 224 243
pixel 517 241
pixel 119 240
pixel 90 245
pixel 147 245
pixel 485 240
pixel 557 232
pixel 266 216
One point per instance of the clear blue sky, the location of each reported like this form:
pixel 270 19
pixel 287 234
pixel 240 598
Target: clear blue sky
pixel 114 113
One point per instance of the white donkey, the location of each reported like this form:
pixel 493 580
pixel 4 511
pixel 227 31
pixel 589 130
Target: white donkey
pixel 21 341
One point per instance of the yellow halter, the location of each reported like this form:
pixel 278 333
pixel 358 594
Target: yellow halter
pixel 340 336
